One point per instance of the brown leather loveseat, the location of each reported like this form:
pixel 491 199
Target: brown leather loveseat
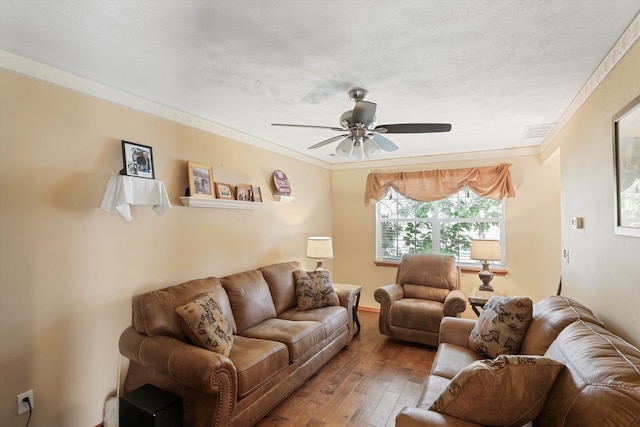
pixel 275 346
pixel 599 384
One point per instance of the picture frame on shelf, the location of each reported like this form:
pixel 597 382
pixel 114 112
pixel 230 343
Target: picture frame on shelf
pixel 224 191
pixel 256 194
pixel 201 180
pixel 137 160
pixel 243 193
pixel 626 157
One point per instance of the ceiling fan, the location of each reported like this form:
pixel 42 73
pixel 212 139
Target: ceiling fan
pixel 361 135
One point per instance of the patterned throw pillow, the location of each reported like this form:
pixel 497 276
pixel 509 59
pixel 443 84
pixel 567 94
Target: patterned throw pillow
pixel 501 326
pixel 314 289
pixel 506 391
pixel 205 325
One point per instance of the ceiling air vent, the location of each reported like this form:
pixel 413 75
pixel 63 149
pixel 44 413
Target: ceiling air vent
pixel 537 131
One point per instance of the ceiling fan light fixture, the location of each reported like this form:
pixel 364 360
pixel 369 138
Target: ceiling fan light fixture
pixel 358 152
pixel 345 148
pixel 371 148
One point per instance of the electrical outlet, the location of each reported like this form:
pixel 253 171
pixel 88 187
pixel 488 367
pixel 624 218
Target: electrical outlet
pixel 22 405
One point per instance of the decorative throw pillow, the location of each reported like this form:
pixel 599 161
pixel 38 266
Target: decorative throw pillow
pixel 205 325
pixel 314 289
pixel 501 326
pixel 506 391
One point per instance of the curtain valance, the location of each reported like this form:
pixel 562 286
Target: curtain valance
pixel 493 182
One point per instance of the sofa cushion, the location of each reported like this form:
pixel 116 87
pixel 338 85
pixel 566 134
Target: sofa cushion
pixel 451 359
pixel 256 361
pixel 299 336
pixel 550 316
pixel 507 391
pixel 279 277
pixel 333 318
pixel 250 298
pixel 434 386
pixel 205 325
pixel 501 326
pixel 154 313
pixel 424 292
pixel 314 289
pixel 601 368
pixel 419 314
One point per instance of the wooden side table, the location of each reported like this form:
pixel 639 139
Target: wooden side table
pixel 355 290
pixel 478 299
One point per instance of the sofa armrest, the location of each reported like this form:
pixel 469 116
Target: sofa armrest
pixel 455 303
pixel 347 295
pixel 386 295
pixel 456 330
pixel 413 417
pixel 195 367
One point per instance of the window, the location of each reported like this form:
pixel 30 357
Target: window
pixel 446 226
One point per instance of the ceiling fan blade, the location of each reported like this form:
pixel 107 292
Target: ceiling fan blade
pixel 308 126
pixel 414 128
pixel 328 141
pixel 364 112
pixel 384 143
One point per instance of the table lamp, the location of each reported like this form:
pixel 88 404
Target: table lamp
pixel 319 248
pixel 486 250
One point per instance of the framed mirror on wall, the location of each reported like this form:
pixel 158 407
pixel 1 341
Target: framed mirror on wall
pixel 626 157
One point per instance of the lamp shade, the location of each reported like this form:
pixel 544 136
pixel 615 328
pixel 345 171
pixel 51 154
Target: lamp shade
pixel 486 250
pixel 319 247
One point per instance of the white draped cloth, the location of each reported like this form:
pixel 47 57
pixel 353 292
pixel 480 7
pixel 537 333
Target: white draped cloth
pixel 123 191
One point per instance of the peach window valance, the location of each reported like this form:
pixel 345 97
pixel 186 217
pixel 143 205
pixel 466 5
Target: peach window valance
pixel 493 182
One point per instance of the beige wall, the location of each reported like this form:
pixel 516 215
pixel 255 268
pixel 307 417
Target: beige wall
pixel 68 270
pixel 603 269
pixel 532 233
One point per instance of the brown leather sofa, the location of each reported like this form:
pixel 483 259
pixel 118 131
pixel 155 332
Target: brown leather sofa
pixel 275 349
pixel 599 385
pixel 427 288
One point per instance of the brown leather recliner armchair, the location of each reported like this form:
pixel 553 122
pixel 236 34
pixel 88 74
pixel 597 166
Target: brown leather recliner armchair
pixel 427 289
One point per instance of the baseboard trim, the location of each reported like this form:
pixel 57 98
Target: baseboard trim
pixel 369 309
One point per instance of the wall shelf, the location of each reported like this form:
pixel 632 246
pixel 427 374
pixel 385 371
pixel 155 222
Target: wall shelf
pixel 197 202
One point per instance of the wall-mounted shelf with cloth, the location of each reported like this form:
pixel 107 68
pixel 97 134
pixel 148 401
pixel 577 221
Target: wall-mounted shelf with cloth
pixel 123 191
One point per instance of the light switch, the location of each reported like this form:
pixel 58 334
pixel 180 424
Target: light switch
pixel 576 222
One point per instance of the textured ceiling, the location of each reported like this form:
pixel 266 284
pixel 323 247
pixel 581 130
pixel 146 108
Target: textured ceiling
pixel 490 68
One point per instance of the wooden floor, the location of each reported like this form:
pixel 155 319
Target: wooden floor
pixel 366 384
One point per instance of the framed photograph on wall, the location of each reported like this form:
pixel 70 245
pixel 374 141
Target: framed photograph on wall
pixel 256 194
pixel 201 181
pixel 243 192
pixel 137 160
pixel 626 157
pixel 224 191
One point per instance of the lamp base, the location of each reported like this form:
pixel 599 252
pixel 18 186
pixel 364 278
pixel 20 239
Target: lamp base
pixel 319 264
pixel 486 276
pixel 487 288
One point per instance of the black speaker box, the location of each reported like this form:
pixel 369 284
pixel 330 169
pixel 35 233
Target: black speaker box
pixel 149 406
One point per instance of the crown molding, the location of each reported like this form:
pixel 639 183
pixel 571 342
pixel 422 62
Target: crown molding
pixel 441 158
pixel 624 43
pixel 52 75
pixel 46 73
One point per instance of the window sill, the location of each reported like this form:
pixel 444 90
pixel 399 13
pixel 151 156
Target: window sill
pixel 465 269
